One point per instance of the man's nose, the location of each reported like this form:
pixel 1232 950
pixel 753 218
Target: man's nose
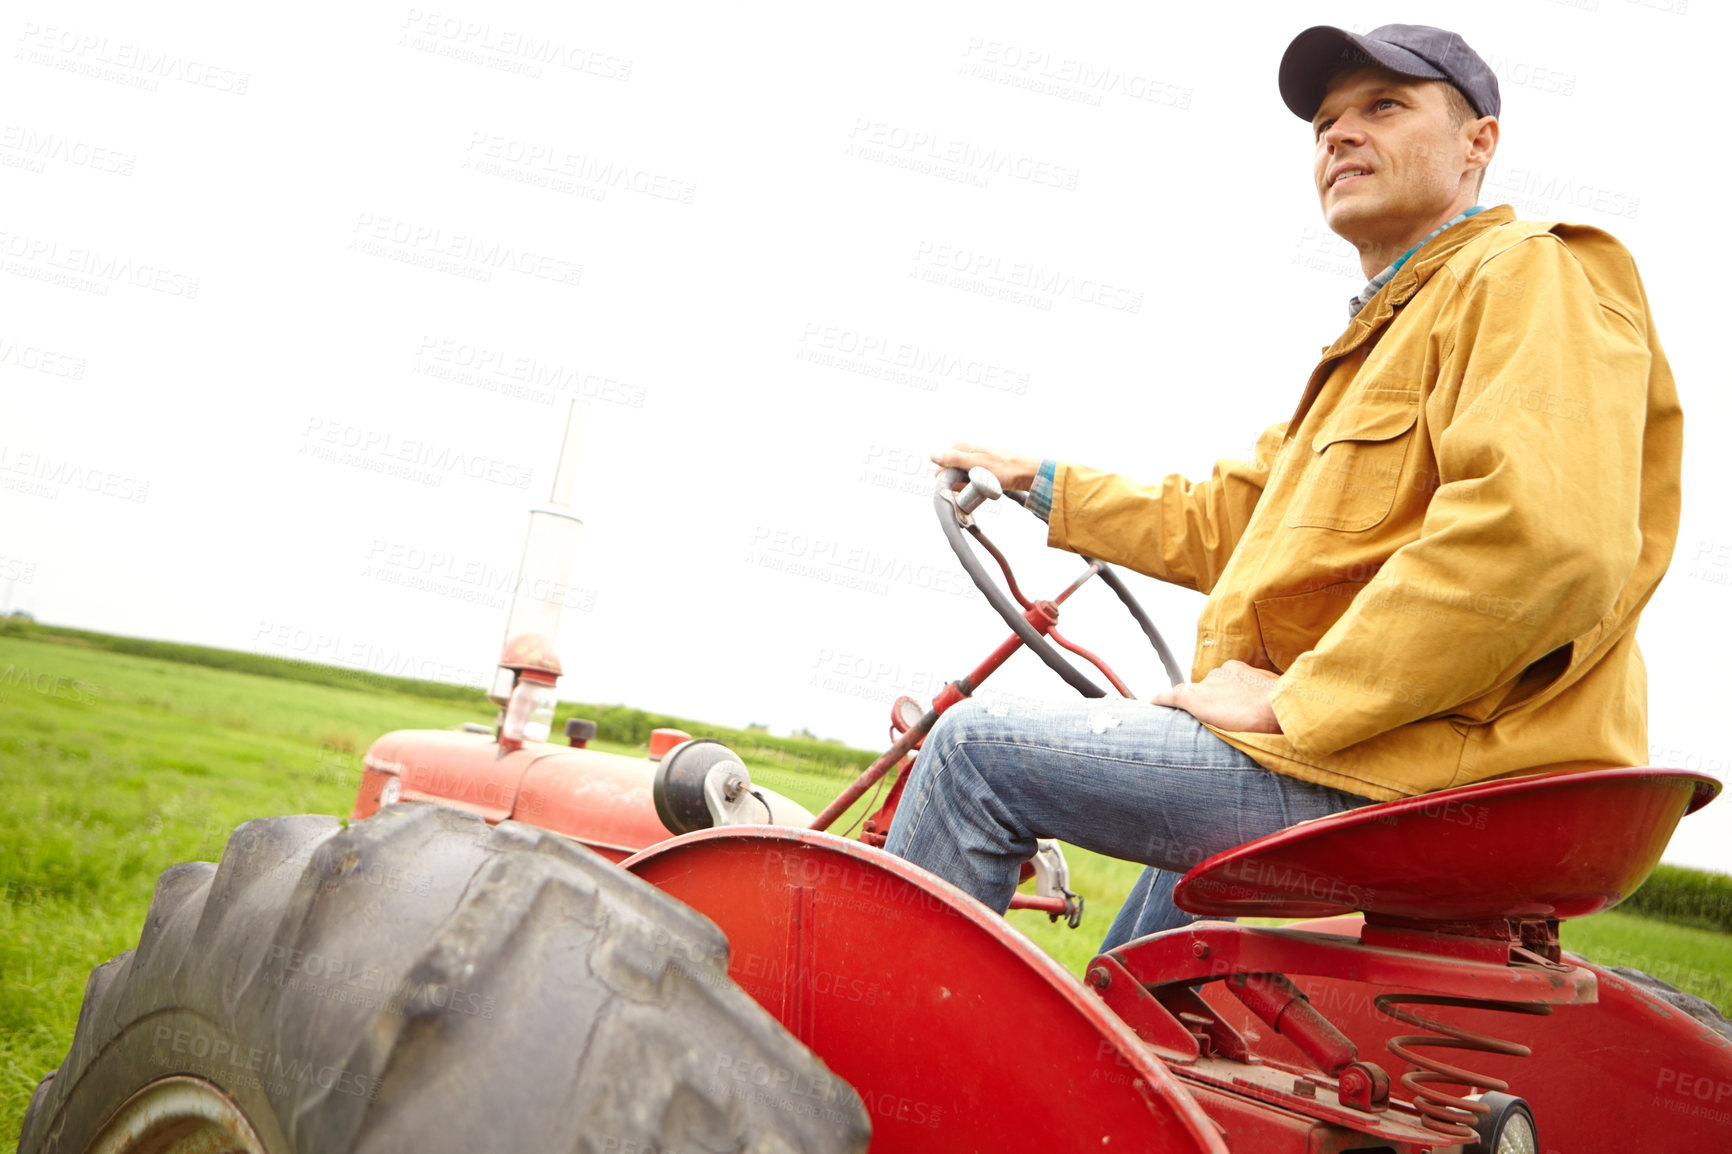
pixel 1346 129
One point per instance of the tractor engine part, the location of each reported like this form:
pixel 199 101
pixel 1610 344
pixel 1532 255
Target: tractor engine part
pixel 701 784
pixel 604 800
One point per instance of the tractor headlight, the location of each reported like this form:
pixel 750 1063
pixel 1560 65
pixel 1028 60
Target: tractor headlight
pixel 392 790
pixel 1508 1129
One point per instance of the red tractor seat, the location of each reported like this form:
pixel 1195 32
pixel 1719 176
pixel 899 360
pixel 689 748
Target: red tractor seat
pixel 1551 846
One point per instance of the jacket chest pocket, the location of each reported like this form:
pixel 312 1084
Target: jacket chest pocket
pixel 1355 467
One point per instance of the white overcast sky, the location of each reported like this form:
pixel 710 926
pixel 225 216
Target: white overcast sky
pixel 269 272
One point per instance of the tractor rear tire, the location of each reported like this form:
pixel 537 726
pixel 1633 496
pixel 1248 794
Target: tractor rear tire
pixel 421 982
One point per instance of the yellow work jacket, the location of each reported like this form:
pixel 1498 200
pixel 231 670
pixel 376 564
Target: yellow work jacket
pixel 1445 551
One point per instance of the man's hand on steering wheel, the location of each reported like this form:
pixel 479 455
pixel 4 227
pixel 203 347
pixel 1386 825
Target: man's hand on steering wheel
pixel 1013 470
pixel 1234 697
pixel 957 496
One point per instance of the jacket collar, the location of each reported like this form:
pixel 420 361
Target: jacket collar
pixel 1408 280
pixel 1410 277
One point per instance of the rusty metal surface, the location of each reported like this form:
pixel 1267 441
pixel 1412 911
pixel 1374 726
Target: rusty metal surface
pixel 1282 1088
pixel 178 1115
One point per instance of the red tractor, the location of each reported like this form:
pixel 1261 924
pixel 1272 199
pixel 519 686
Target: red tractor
pixel 519 945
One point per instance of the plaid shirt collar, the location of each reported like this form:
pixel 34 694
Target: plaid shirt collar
pixel 1364 295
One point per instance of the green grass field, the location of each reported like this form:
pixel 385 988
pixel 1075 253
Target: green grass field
pixel 114 766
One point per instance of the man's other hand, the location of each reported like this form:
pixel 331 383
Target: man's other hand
pixel 1013 470
pixel 1234 697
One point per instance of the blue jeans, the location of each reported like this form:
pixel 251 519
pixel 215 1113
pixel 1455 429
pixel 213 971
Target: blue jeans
pixel 1123 778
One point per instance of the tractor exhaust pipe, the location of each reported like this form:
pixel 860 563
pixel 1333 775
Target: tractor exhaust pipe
pixel 529 668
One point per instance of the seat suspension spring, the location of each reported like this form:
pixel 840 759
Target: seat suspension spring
pixel 1446 1113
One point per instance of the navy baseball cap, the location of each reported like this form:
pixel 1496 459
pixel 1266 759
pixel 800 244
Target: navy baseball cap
pixel 1416 50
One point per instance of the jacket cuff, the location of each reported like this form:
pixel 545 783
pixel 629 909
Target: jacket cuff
pixel 1040 493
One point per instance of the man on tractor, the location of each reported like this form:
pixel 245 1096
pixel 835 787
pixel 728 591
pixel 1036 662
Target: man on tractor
pixel 1429 575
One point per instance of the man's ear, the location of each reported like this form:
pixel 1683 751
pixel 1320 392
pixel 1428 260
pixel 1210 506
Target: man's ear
pixel 1482 144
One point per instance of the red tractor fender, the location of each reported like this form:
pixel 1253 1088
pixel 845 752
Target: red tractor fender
pixel 956 1030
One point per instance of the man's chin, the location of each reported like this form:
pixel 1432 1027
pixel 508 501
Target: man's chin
pixel 1355 223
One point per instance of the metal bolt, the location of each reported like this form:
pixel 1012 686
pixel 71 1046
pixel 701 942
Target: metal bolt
pixel 1099 978
pixel 1201 949
pixel 1304 1087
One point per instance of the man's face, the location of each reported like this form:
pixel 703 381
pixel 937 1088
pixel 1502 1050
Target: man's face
pixel 1389 159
